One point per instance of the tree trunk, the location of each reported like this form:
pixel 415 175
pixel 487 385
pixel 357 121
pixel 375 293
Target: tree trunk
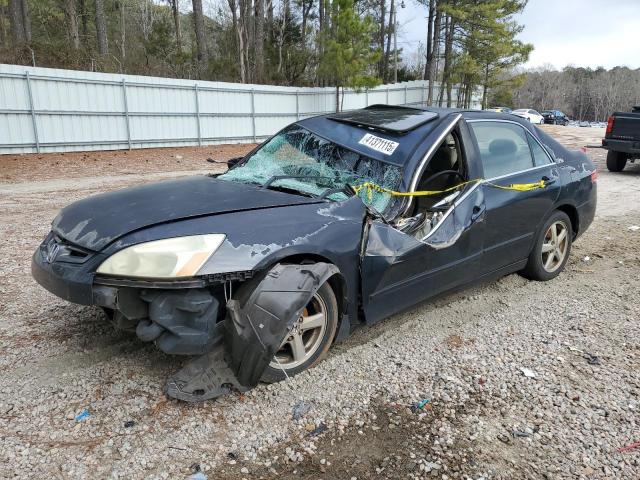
pixel 449 56
pixel 435 53
pixel 485 87
pixel 430 18
pixel 198 25
pixel 84 21
pixel 26 21
pixel 123 32
pixel 240 45
pixel 69 7
pixel 307 5
pixel 270 19
pixel 101 28
pixel 3 32
pixel 388 51
pixel 175 8
pixel 383 7
pixel 258 40
pixel 17 25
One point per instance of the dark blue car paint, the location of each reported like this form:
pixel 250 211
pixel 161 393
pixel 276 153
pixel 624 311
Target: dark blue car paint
pixel 383 270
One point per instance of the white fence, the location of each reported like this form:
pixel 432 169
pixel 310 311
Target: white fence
pixel 48 110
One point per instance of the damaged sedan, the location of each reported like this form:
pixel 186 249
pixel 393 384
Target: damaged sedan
pixel 335 222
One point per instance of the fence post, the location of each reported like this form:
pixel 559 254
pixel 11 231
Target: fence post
pixel 422 96
pixel 126 111
pixel 387 95
pixel 195 92
pixel 297 106
pixel 366 97
pixel 33 112
pixel 405 94
pixel 253 115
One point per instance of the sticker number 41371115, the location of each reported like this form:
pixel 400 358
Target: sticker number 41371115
pixel 381 145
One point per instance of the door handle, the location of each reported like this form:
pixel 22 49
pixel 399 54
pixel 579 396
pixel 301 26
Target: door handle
pixel 548 181
pixel 478 210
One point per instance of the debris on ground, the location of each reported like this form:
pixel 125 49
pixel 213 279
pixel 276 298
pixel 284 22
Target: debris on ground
pixel 300 409
pixel 634 228
pixel 318 430
pixel 528 372
pixel 417 406
pixel 628 448
pixel 83 415
pixel 129 424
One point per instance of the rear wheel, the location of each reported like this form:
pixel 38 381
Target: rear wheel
pixel 551 250
pixel 309 340
pixel 616 161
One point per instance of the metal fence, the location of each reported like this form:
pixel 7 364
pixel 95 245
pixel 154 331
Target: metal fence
pixel 48 110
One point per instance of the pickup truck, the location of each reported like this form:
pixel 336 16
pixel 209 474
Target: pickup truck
pixel 622 139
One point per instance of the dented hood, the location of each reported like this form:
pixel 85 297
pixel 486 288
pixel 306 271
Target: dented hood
pixel 96 221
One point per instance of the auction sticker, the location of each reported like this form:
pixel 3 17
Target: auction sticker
pixel 378 144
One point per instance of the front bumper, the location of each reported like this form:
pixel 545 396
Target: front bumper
pixel 71 282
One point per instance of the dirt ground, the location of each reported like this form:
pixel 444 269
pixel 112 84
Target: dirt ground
pixel 464 353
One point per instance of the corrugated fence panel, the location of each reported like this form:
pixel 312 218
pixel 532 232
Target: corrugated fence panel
pixel 46 110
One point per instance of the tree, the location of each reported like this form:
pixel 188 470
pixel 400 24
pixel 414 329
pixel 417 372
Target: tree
pixel 101 28
pixel 69 9
pixel 348 55
pixel 175 8
pixel 16 19
pixel 198 26
pixel 258 47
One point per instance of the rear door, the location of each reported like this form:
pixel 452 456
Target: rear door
pixel 510 154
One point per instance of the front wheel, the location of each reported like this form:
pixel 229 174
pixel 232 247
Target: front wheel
pixel 551 250
pixel 616 161
pixel 309 339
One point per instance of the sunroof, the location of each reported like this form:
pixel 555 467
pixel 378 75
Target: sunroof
pixel 392 119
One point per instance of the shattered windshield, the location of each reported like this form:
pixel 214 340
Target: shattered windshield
pixel 318 166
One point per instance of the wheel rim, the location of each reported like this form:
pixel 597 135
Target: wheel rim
pixel 305 337
pixel 555 246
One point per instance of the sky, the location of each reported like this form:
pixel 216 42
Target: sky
pixel 583 33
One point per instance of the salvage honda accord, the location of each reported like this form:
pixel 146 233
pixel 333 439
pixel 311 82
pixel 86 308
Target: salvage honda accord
pixel 334 222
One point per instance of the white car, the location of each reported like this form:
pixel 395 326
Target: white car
pixel 532 115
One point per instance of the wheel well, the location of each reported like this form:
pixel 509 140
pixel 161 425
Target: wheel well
pixel 572 213
pixel 337 281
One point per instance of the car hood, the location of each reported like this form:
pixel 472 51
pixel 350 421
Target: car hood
pixel 95 222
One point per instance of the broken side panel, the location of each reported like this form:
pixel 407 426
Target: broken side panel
pixel 258 319
pixel 401 269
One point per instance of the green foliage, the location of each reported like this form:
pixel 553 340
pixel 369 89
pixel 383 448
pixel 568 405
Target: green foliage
pixel 348 59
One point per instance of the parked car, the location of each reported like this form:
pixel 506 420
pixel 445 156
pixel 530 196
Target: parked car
pixel 555 117
pixel 622 139
pixel 335 222
pixel 529 114
pixel 499 109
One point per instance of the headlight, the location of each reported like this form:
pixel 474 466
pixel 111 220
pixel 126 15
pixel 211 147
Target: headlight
pixel 168 258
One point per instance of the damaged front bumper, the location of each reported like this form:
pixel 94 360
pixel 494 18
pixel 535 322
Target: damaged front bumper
pixel 235 339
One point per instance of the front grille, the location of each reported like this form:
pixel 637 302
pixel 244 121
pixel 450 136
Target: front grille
pixel 56 249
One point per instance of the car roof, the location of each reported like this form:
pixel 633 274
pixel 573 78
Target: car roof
pixel 406 126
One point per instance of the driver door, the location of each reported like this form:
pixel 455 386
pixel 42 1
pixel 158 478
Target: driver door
pixel 401 269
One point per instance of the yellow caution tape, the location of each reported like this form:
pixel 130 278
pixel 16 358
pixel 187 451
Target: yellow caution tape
pixel 372 187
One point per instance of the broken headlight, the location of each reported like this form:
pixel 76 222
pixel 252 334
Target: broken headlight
pixel 168 258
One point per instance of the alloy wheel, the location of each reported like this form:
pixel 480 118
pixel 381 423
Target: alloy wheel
pixel 305 337
pixel 555 246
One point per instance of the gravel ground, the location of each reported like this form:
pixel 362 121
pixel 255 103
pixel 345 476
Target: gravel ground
pixel 523 379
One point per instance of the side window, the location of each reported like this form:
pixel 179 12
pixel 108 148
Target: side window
pixel 504 148
pixel 540 157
